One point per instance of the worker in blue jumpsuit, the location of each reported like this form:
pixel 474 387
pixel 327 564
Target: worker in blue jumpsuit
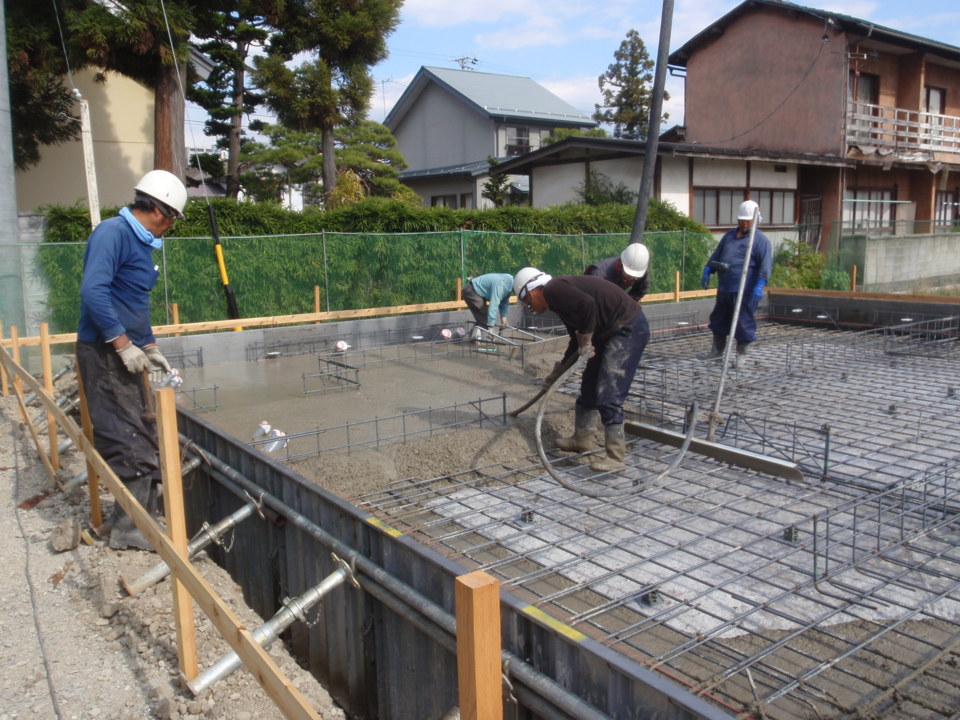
pixel 727 261
pixel 115 343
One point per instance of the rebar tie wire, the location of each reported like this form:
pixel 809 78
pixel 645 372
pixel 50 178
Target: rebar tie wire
pixel 638 485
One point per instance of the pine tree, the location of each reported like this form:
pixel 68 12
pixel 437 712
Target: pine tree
pixel 625 88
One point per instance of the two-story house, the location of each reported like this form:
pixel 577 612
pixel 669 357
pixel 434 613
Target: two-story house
pixel 774 76
pixel 448 122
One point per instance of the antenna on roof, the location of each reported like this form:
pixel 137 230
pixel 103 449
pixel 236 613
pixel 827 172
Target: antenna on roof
pixel 465 62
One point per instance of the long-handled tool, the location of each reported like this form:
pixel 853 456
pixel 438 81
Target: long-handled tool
pixel 563 374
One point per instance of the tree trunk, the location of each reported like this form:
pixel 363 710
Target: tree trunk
pixel 169 146
pixel 236 128
pixel 329 163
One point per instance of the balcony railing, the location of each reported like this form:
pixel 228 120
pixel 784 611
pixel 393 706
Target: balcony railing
pixel 903 131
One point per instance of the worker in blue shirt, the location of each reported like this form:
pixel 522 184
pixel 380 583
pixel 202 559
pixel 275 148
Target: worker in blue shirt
pixel 115 343
pixel 727 261
pixel 488 298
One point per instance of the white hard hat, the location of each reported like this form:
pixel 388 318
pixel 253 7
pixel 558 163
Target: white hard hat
pixel 747 209
pixel 635 259
pixel 522 278
pixel 164 187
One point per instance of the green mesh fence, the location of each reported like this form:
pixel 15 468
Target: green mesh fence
pixel 275 275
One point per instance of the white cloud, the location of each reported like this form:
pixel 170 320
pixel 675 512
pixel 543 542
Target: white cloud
pixel 581 91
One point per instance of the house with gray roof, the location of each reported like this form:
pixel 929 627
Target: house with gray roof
pixel 448 122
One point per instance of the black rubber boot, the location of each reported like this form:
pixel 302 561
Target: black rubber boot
pixel 124 533
pixel 584 422
pixel 719 345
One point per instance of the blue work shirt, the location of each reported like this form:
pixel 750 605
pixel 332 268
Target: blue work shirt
pixel 118 275
pixel 496 289
pixel 733 251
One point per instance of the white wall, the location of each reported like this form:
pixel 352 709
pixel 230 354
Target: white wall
pixel 440 131
pixel 675 182
pixel 555 185
pixel 719 173
pixel 764 175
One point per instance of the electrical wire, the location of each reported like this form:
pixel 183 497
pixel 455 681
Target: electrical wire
pixel 774 111
pixel 63 44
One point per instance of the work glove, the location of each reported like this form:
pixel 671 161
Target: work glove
pixel 585 343
pixel 705 280
pixel 160 368
pixel 133 358
pixel 554 374
pixel 758 289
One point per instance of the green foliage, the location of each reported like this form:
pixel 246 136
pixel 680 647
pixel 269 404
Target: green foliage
pixel 797 265
pixel 496 186
pixel 559 134
pixel 598 189
pixel 625 88
pixel 369 150
pixel 358 257
pixel 210 163
pixel 834 278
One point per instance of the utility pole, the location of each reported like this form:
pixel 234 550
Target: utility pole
pixel 465 62
pixel 653 129
pixel 93 197
pixel 11 269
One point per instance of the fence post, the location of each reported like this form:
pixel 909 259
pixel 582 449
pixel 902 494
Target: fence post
pixel 316 301
pixel 459 295
pixel 48 386
pixel 583 251
pixel 15 352
pixel 463 257
pixel 166 405
pixel 326 278
pixel 175 309
pixel 853 279
pixel 676 286
pixel 478 646
pixel 93 479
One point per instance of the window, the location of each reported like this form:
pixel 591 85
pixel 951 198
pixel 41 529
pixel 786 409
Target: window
pixel 518 141
pixel 776 206
pixel 466 201
pixel 449 201
pixel 868 208
pixel 715 207
pixel 947 212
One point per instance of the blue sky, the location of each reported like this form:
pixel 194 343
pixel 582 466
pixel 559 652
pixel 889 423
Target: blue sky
pixel 566 44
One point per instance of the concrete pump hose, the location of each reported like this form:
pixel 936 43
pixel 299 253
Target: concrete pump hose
pixel 637 486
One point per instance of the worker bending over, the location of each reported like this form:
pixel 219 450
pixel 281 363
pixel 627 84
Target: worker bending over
pixel 604 322
pixel 488 298
pixel 727 261
pixel 629 271
pixel 115 342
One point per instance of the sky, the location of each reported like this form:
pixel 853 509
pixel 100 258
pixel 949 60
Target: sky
pixel 565 45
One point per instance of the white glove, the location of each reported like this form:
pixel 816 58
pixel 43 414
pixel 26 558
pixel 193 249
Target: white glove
pixel 133 358
pixel 160 368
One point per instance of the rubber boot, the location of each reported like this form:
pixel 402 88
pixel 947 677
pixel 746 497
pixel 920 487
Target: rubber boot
pixel 741 351
pixel 475 334
pixel 124 533
pixel 616 446
pixel 719 345
pixel 584 421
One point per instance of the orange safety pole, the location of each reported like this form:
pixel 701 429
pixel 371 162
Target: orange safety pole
pixel 48 386
pixel 478 646
pixel 166 406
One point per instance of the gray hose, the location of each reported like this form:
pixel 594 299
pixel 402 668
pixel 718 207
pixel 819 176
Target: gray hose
pixel 606 492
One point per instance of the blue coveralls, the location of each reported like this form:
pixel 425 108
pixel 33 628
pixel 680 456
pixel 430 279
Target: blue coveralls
pixel 733 251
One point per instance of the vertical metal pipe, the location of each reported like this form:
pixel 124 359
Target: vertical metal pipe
pixel 326 278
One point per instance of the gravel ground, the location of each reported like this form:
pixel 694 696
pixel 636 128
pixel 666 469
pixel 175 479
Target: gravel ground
pixel 72 644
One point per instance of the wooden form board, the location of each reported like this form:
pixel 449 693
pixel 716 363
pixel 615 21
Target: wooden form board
pixel 288 699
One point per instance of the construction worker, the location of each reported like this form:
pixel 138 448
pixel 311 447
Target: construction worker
pixel 629 271
pixel 488 298
pixel 604 322
pixel 115 342
pixel 727 261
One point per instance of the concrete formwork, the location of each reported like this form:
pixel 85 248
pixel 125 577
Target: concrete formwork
pixel 717 591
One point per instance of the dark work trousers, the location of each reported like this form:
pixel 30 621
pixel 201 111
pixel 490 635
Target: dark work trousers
pixel 722 315
pixel 116 403
pixel 609 373
pixel 476 304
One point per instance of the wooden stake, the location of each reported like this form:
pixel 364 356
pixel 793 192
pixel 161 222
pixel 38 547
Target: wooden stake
pixel 175 311
pixel 479 646
pixel 459 295
pixel 853 279
pixel 93 481
pixel 48 385
pixel 676 286
pixel 316 301
pixel 166 405
pixel 17 382
pixel 3 373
